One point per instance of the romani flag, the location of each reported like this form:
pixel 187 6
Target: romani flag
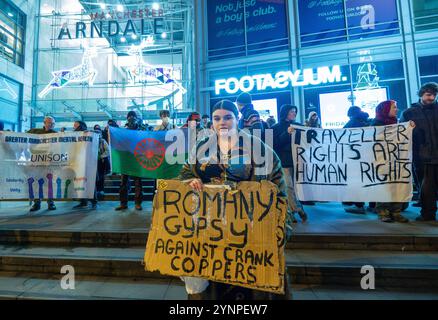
pixel 142 153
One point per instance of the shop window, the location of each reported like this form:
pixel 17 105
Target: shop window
pixel 10 102
pixel 12 30
pixel 372 83
pixel 425 14
pixel 346 20
pixel 246 27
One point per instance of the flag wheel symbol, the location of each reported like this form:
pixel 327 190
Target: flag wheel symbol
pixel 149 153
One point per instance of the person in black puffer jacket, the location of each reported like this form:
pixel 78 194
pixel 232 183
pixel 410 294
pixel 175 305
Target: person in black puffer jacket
pixel 358 119
pixel 283 147
pixel 425 147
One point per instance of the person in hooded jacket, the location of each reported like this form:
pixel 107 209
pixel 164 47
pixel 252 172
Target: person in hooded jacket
pixel 313 120
pixel 283 147
pixel 358 119
pixel 425 147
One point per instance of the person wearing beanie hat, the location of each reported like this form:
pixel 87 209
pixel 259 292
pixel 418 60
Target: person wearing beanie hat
pixel 133 123
pixel 283 147
pixel 424 114
pixel 386 114
pixel 250 119
pixel 243 100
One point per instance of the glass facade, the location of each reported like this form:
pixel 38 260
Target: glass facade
pixel 10 103
pixel 12 33
pixel 378 47
pixel 98 61
pixel 243 28
pixel 347 20
pixel 426 14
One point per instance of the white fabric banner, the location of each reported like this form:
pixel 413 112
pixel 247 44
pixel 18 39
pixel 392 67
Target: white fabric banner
pixel 353 165
pixel 48 166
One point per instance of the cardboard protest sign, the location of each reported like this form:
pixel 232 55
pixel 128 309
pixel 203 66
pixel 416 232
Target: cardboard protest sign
pixel 355 164
pixel 230 236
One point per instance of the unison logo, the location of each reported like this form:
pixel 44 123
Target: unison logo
pixel 281 80
pixel 49 157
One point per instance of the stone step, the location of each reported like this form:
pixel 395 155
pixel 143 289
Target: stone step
pixel 28 288
pixel 327 267
pixel 299 240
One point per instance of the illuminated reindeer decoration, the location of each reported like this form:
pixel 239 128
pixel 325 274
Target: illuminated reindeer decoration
pixel 141 71
pixel 83 72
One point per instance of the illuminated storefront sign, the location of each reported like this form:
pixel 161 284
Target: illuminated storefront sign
pixel 281 80
pixel 115 23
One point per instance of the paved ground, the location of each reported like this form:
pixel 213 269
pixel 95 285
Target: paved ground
pixel 110 288
pixel 324 218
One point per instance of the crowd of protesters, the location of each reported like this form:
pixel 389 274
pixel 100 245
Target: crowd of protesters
pixel 424 114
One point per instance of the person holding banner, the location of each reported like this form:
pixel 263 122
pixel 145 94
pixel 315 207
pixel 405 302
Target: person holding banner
pixel 103 164
pixel 82 126
pixel 283 147
pixel 225 163
pixel 358 119
pixel 425 147
pixel 386 114
pixel 133 123
pixel 49 125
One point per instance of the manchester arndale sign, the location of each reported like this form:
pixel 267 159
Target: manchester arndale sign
pixel 281 80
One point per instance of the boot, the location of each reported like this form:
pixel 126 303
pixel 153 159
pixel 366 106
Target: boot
pixel 302 214
pixel 121 207
pixel 35 207
pixel 384 215
pixel 397 216
pixel 356 210
pixel 82 204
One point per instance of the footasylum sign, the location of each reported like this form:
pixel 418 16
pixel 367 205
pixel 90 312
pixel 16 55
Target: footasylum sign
pixel 281 80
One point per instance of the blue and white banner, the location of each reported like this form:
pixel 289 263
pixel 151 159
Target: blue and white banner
pixel 49 166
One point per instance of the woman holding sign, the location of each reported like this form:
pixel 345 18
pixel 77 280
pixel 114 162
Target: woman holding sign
pixel 227 165
pixel 386 114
